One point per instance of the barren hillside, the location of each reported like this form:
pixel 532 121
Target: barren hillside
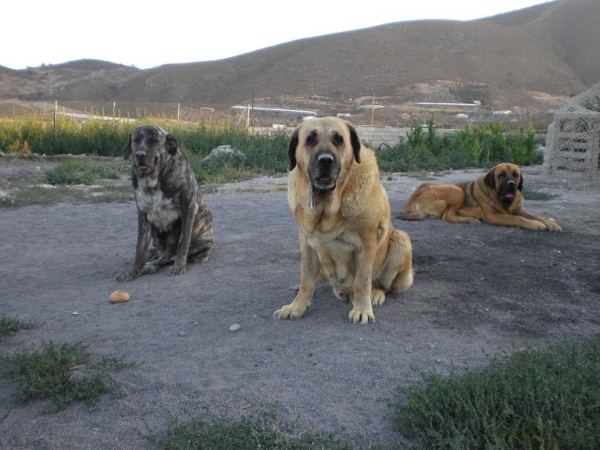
pixel 529 60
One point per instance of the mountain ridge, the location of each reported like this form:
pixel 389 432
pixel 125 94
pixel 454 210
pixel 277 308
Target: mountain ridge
pixel 528 59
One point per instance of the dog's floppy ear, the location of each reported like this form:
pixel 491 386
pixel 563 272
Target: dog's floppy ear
pixel 292 150
pixel 127 148
pixel 490 179
pixel 520 186
pixel 354 141
pixel 171 144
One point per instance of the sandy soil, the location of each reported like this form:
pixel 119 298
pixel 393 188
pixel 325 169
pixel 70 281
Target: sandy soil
pixel 477 289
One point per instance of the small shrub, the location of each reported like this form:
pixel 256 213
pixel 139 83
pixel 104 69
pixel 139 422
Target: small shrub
pixel 9 326
pixel 18 148
pixel 532 399
pixel 61 373
pixel 263 431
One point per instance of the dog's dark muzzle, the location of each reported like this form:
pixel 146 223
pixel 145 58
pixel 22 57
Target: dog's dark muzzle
pixel 325 169
pixel 508 191
pixel 141 161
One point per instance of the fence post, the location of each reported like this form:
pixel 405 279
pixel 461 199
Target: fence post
pixel 54 116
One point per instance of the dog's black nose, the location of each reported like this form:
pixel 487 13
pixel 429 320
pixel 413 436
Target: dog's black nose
pixel 140 155
pixel 325 160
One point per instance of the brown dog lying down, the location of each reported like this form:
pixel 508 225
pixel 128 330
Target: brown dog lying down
pixel 494 198
pixel 170 206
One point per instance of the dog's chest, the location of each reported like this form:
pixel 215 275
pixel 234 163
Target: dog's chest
pixel 160 210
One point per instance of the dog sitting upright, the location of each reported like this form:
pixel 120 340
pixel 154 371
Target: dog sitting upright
pixel 170 206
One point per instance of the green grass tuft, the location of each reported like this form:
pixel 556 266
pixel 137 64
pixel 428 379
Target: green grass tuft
pixel 264 431
pixel 9 326
pixel 530 194
pixel 61 373
pixel 86 171
pixel 532 399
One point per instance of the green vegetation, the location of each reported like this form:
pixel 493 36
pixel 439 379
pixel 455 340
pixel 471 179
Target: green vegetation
pixel 532 399
pixel 264 431
pixel 479 145
pixel 9 326
pixel 87 171
pixel 61 373
pixel 530 194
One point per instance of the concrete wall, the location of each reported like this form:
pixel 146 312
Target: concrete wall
pixel 375 136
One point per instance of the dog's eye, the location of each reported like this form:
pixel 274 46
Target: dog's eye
pixel 137 139
pixel 337 139
pixel 311 139
pixel 153 141
pixel 515 174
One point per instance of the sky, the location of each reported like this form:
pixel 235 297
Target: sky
pixel 148 34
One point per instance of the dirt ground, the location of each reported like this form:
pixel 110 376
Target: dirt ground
pixel 478 289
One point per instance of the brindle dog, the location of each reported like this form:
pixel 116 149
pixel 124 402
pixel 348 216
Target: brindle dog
pixel 170 206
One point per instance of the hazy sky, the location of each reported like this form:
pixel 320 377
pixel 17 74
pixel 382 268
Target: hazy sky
pixel 148 34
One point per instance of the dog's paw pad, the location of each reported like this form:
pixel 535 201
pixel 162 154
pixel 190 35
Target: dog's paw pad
pixel 362 316
pixel 177 270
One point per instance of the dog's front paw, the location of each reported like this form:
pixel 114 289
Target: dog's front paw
pixel 177 270
pixel 552 225
pixel 291 311
pixel 127 276
pixel 362 316
pixel 538 226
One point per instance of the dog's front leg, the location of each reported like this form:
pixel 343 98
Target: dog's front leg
pixel 551 224
pixel 362 308
pixel 309 267
pixel 140 251
pixel 183 247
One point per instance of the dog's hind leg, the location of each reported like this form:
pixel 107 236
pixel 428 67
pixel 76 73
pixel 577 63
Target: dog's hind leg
pixel 452 215
pixel 200 253
pixel 397 275
pixel 153 266
pixel 152 254
pixel 435 209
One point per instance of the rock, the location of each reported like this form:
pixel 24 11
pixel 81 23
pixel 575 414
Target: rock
pixel 225 151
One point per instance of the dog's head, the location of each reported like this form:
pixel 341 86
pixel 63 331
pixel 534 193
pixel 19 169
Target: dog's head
pixel 149 145
pixel 506 179
pixel 324 148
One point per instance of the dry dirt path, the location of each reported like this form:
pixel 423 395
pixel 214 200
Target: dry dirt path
pixel 477 288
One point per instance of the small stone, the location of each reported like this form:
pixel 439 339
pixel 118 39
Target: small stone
pixel 234 327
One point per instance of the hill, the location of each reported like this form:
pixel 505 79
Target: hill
pixel 527 60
